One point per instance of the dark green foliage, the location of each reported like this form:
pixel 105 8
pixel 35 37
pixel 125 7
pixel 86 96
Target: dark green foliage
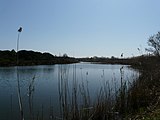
pixel 8 58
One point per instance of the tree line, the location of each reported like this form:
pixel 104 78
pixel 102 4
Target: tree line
pixel 24 57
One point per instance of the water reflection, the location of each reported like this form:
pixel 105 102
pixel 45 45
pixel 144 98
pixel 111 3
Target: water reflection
pixel 43 87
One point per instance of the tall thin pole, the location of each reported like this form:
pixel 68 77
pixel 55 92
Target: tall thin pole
pixel 18 83
pixel 18 48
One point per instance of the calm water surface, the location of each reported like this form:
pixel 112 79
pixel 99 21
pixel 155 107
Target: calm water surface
pixel 43 84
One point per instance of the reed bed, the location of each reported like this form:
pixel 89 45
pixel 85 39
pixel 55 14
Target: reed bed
pixel 76 103
pixel 132 100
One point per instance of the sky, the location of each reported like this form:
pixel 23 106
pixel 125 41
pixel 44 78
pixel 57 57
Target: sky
pixel 79 28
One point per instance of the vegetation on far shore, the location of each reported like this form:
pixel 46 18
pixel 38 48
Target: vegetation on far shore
pixel 9 58
pixel 25 58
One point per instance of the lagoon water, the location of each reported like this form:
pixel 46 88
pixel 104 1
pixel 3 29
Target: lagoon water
pixel 40 86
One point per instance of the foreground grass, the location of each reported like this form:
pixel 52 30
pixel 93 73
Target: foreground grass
pixel 152 115
pixel 144 95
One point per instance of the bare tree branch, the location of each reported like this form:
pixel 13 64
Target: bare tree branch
pixel 154 43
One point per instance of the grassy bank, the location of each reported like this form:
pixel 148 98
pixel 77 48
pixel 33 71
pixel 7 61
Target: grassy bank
pixel 144 94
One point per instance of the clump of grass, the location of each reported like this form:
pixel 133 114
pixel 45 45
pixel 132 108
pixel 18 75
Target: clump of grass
pixel 30 98
pixel 142 98
pixel 70 97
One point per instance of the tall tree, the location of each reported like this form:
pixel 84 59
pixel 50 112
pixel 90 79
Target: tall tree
pixel 154 43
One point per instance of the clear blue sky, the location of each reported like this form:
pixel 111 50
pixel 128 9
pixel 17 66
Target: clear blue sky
pixel 79 28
